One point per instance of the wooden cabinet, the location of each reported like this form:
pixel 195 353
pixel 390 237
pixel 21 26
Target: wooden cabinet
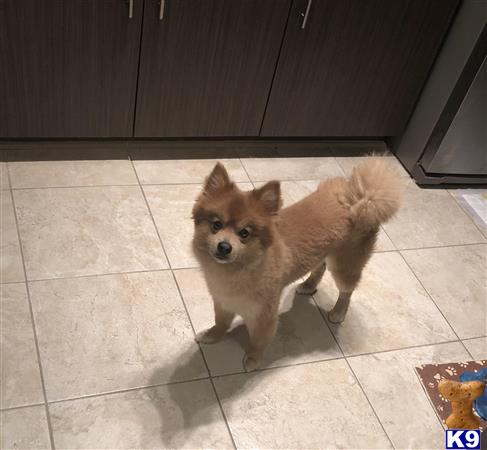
pixel 356 68
pixel 206 67
pixel 68 68
pixel 214 68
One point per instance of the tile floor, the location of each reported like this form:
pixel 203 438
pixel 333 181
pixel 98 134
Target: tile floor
pixel 101 297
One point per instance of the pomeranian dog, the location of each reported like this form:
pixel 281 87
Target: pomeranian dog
pixel 249 248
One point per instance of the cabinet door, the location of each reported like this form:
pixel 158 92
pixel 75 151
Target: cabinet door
pixel 68 68
pixel 206 67
pixel 357 67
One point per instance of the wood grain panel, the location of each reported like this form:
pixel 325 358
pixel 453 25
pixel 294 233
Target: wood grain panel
pixel 357 68
pixel 68 68
pixel 206 68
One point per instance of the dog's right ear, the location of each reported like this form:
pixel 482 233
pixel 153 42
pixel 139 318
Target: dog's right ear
pixel 217 180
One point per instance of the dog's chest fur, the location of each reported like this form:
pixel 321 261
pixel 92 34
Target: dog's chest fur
pixel 240 292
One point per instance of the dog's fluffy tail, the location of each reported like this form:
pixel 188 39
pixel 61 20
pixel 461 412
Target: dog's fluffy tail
pixel 376 191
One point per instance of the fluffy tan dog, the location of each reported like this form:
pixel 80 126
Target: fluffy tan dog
pixel 249 249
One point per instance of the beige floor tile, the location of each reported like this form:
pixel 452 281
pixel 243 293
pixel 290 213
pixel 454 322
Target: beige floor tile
pixel 176 416
pixel 3 176
pixel 171 207
pixel 456 279
pixel 21 381
pixel 11 268
pixel 347 163
pixel 302 334
pixel 477 347
pixel 113 332
pixel 389 309
pixel 396 394
pixel 318 405
pixel 293 191
pixel 86 231
pixel 71 173
pixel 24 428
pixel 185 170
pixel 429 218
pixel 313 168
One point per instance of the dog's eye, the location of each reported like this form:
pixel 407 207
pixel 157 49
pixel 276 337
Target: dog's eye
pixel 244 233
pixel 217 225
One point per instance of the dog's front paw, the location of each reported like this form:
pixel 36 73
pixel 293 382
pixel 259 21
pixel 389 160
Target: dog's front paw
pixel 305 289
pixel 336 316
pixel 210 336
pixel 252 362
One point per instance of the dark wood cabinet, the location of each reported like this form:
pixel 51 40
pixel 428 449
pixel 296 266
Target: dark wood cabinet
pixel 68 68
pixel 356 68
pixel 215 68
pixel 206 67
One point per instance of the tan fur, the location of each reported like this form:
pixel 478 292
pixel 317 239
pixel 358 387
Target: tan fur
pixel 335 227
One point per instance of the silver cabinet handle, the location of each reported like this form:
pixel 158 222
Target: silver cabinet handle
pixel 161 9
pixel 131 9
pixel 306 14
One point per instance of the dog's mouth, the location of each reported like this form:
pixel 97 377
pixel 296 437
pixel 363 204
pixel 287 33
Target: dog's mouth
pixel 222 259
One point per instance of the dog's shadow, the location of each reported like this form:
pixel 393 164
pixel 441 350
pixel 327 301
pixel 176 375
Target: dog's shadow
pixel 191 408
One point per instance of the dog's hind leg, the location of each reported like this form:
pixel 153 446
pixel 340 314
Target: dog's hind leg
pixel 346 281
pixel 346 268
pixel 309 286
pixel 339 311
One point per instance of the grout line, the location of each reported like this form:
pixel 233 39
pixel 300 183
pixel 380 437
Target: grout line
pixel 369 402
pixel 393 243
pixel 122 391
pixel 13 408
pixel 437 307
pixel 206 364
pixel 245 170
pixel 438 246
pixel 476 337
pixel 283 366
pixel 340 166
pixel 73 187
pixel 6 283
pixel 353 373
pixel 38 353
pixel 200 184
pixel 187 314
pixel 408 347
pixel 9 183
pixel 152 217
pixel 108 274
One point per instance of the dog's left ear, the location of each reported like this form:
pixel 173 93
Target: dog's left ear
pixel 217 179
pixel 269 196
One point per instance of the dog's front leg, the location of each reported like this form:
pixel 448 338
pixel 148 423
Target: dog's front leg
pixel 262 329
pixel 223 321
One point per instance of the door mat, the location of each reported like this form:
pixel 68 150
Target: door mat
pixel 431 374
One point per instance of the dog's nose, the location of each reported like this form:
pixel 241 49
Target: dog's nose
pixel 224 248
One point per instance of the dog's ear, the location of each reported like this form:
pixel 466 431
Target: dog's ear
pixel 217 180
pixel 269 196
